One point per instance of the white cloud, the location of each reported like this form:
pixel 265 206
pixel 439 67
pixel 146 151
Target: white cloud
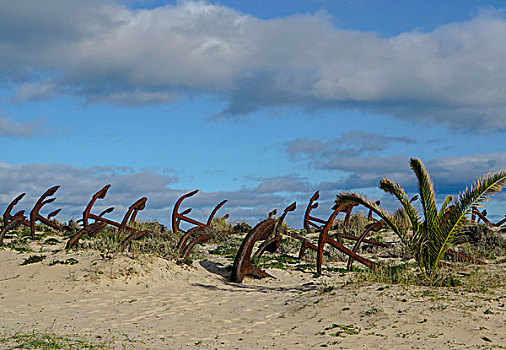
pixel 11 128
pixel 106 52
pixel 359 157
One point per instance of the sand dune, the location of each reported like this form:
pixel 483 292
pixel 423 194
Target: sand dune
pixel 151 303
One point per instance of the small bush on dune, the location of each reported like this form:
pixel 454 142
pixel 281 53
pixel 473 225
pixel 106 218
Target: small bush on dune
pixel 481 242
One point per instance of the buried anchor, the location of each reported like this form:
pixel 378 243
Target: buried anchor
pixel 262 231
pixel 12 222
pixel 200 233
pixel 100 222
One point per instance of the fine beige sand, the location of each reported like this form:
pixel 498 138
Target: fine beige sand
pixel 150 303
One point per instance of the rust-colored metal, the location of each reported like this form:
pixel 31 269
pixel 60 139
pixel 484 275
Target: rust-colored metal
pixel 134 216
pixel 106 211
pixel 36 216
pixel 310 221
pixel 192 232
pixel 262 231
pixel 123 227
pixel 369 216
pixel 376 226
pixel 136 234
pixel 348 209
pixel 365 240
pixel 483 217
pixel 272 238
pixel 140 204
pixel 414 198
pixel 7 214
pixel 306 243
pixel 202 238
pixel 87 211
pixel 200 233
pixel 53 214
pixel 90 230
pixel 464 257
pixel 14 222
pixel 325 239
pixel 177 216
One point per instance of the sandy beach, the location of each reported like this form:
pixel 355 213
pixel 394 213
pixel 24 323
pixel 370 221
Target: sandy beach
pixel 146 302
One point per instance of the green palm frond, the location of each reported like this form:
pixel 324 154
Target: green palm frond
pixel 427 194
pixel 354 198
pixel 479 192
pixel 444 206
pixel 431 238
pixel 391 187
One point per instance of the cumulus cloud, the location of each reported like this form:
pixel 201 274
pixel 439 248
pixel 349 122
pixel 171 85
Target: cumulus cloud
pixel 361 160
pixel 106 52
pixel 11 128
pixel 350 143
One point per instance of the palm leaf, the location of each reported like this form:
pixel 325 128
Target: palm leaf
pixel 354 198
pixel 432 228
pixel 480 192
pixel 426 190
pixel 395 189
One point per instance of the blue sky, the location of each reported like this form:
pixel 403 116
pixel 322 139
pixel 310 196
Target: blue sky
pixel 258 102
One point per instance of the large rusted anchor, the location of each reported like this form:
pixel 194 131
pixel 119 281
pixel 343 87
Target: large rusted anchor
pixel 200 233
pixel 13 221
pixel 8 217
pixel 262 231
pixel 324 238
pixel 7 214
pixel 35 215
pixel 373 227
pixel 311 221
pixel 338 241
pixel 100 222
pixel 477 215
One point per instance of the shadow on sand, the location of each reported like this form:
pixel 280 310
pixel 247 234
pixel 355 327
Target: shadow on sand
pixel 224 273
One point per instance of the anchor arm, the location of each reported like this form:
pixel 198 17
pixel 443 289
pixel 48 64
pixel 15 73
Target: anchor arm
pixel 216 208
pixel 175 214
pixel 99 195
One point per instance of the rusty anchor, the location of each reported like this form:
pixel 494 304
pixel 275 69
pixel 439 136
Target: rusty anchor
pixel 17 220
pixel 200 233
pixel 311 221
pixel 476 214
pixel 35 215
pixel 262 231
pixel 8 217
pixel 375 226
pixel 100 222
pixel 324 238
pixel 13 221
